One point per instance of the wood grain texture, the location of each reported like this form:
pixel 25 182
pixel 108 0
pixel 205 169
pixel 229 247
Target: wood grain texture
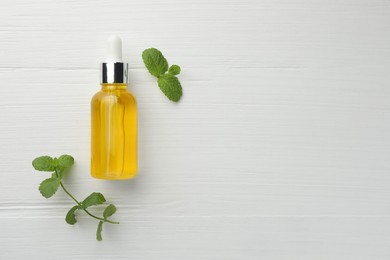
pixel 279 148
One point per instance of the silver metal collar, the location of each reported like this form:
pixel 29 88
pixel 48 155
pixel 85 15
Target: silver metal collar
pixel 114 72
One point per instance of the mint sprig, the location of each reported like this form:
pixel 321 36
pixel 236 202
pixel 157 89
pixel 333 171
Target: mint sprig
pixel 49 187
pixel 157 65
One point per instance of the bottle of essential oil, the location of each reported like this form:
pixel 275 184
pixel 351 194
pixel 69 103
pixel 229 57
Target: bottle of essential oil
pixel 114 120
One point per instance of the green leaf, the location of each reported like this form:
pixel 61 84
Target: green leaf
pixel 70 217
pixel 65 161
pixel 49 186
pixel 170 86
pixel 95 198
pixel 109 211
pixel 155 61
pixel 174 70
pixel 43 163
pixel 60 172
pixel 99 231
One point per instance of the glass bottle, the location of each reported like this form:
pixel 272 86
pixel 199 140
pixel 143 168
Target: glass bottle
pixel 114 120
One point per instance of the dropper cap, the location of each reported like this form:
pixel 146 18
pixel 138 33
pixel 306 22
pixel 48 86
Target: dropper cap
pixel 114 70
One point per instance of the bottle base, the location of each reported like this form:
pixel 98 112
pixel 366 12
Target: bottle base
pixel 113 177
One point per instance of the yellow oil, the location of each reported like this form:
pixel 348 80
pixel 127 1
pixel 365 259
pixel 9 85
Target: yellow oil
pixel 113 133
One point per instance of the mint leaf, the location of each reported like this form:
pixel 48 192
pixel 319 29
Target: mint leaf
pixel 95 198
pixel 174 70
pixel 43 163
pixel 60 172
pixel 49 186
pixel 70 217
pixel 170 86
pixel 99 231
pixel 155 61
pixel 65 161
pixel 109 211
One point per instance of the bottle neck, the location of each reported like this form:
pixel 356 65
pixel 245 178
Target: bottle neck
pixel 113 86
pixel 114 72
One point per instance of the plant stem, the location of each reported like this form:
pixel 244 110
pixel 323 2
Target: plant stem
pixel 81 207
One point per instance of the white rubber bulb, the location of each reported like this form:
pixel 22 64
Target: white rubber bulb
pixel 114 49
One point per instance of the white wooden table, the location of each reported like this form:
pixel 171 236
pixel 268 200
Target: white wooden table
pixel 279 148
